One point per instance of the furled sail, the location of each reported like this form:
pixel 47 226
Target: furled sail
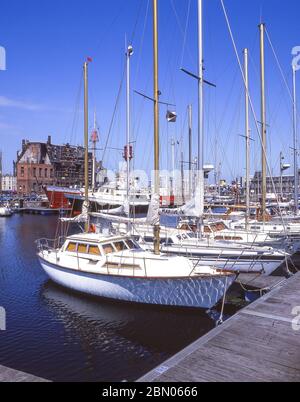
pixel 153 211
pixel 82 218
pixel 195 208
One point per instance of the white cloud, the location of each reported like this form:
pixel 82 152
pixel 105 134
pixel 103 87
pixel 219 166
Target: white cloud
pixel 17 104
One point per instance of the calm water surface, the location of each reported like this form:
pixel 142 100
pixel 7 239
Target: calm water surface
pixel 64 336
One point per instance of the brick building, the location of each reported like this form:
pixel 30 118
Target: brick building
pixel 41 164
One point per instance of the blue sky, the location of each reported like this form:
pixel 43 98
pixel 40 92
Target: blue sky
pixel 47 42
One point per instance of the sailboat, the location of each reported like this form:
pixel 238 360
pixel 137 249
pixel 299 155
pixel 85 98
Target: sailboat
pixel 115 266
pixel 209 242
pixel 279 228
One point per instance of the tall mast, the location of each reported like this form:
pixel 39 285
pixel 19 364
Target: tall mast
pixel 156 120
pixel 200 188
pixel 247 134
pixel 295 126
pixel 86 139
pixel 263 122
pixel 94 140
pixel 190 109
pixel 200 91
pixel 173 145
pixel 129 53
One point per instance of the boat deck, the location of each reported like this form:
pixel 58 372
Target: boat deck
pixel 258 344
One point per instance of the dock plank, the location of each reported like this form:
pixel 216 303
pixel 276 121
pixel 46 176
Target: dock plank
pixel 10 375
pixel 258 344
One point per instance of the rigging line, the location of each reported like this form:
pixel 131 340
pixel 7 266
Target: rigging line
pixel 76 110
pixel 185 31
pixel 136 22
pixel 142 42
pixel 251 105
pixel 110 26
pixel 279 65
pixel 114 114
pixel 179 24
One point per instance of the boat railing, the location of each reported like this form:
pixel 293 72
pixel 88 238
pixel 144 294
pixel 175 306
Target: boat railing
pixel 46 245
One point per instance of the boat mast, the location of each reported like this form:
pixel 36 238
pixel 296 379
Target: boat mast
pixel 200 92
pixel 129 53
pixel 190 109
pixel 247 133
pixel 86 140
pixel 173 145
pixel 200 161
pixel 263 122
pixel 94 141
pixel 156 120
pixel 296 172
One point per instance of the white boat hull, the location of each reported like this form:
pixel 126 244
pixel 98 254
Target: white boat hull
pixel 240 263
pixel 199 292
pixel 5 212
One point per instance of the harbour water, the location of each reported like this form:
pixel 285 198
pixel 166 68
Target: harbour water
pixel 62 336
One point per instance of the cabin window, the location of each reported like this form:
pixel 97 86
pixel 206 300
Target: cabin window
pixel 207 229
pixel 72 247
pixel 82 248
pixel 131 245
pixel 120 246
pixel 108 248
pixel 94 250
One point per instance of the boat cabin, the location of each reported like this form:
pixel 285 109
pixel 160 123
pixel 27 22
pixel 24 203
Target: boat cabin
pixel 99 249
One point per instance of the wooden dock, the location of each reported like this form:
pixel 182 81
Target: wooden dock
pixel 258 344
pixel 260 282
pixel 10 375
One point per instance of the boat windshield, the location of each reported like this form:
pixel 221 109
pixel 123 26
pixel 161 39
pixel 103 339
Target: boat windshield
pixel 120 245
pixel 192 235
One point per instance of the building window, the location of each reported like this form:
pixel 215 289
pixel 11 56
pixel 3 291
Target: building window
pixel 40 172
pixel 51 173
pixel 22 171
pixel 46 173
pixel 34 172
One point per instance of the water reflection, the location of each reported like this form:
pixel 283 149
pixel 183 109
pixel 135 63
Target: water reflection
pixel 129 339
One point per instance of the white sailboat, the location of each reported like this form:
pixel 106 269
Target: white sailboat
pixel 5 212
pixel 115 267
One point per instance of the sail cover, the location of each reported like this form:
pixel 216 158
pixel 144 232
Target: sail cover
pixel 82 218
pixel 153 211
pixel 195 208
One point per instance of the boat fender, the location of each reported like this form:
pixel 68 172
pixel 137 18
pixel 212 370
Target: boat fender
pixel 92 228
